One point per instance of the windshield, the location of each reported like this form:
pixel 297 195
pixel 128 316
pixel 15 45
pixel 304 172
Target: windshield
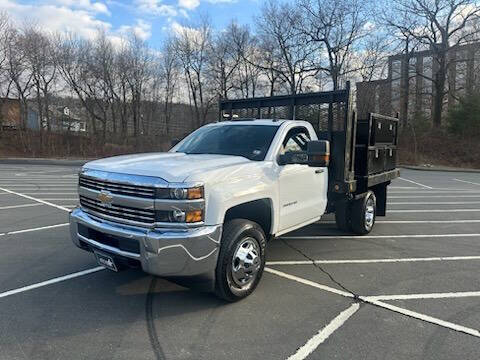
pixel 250 141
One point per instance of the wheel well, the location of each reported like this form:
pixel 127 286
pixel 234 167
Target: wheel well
pixel 259 211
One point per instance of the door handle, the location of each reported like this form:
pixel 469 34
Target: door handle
pixel 318 171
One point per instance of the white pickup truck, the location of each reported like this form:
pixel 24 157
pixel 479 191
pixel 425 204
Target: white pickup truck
pixel 202 213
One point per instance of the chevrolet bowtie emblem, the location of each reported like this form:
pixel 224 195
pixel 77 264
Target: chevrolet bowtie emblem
pixel 105 197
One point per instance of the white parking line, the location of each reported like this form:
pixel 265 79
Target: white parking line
pixel 74 199
pixel 19 206
pixel 433 196
pixel 34 229
pixel 423 317
pixel 436 191
pixel 51 281
pixel 309 283
pixel 416 183
pixel 51 193
pixel 35 199
pixel 434 203
pixel 381 304
pixel 432 210
pixel 467 182
pixel 380 236
pixel 373 261
pixel 324 333
pixel 426 221
pixel 38 186
pixel 450 295
pixel 404 188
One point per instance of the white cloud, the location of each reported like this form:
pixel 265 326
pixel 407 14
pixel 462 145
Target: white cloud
pixel 141 29
pixel 95 7
pixel 221 1
pixel 189 4
pixel 60 18
pixel 155 7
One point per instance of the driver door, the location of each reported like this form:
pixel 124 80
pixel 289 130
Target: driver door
pixel 302 189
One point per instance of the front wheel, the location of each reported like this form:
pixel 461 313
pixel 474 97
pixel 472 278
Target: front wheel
pixel 363 214
pixel 241 260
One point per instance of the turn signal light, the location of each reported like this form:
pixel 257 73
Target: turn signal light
pixel 194 216
pixel 195 193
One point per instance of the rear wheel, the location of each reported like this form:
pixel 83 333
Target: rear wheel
pixel 363 215
pixel 241 260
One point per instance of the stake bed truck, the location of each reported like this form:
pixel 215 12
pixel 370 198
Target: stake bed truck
pixel 202 213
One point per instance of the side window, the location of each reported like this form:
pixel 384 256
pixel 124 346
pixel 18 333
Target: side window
pixel 295 140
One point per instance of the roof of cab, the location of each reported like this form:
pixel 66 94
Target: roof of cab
pixel 276 122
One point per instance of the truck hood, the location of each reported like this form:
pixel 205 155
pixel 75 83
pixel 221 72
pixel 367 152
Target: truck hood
pixel 172 167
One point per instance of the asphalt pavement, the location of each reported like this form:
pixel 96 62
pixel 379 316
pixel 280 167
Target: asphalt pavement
pixel 408 290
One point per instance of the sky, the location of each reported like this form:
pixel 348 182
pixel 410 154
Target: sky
pixel 152 20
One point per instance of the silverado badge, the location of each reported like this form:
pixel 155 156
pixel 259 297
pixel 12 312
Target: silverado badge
pixel 105 197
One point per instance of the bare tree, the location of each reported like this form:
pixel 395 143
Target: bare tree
pixel 224 59
pixel 169 73
pixel 289 54
pixel 439 26
pixel 192 45
pixel 337 26
pixel 42 65
pixel 18 71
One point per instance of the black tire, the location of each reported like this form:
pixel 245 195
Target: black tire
pixel 362 224
pixel 237 234
pixel 342 216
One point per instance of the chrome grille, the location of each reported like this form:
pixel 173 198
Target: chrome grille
pixel 117 212
pixel 117 188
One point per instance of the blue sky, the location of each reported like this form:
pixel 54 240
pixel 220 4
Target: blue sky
pixel 150 19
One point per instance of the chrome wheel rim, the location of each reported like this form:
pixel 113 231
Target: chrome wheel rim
pixel 369 213
pixel 246 262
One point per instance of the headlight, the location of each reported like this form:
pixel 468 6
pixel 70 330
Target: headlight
pixel 180 216
pixel 193 193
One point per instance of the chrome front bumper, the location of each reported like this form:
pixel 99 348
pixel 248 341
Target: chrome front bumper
pixel 173 253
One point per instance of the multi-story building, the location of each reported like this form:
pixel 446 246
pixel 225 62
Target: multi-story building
pixel 409 88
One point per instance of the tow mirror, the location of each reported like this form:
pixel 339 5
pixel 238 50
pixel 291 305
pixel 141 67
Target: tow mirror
pixel 318 152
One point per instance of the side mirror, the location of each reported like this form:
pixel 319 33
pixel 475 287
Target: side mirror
pixel 318 152
pixel 293 157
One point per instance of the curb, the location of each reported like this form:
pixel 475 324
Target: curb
pixel 444 169
pixel 33 161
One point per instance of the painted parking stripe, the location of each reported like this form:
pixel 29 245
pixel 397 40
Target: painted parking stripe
pixel 51 281
pixel 431 210
pixel 426 221
pixel 309 283
pixel 380 236
pixel 432 196
pixel 35 199
pixel 416 183
pixel 450 295
pixel 436 191
pixel 324 333
pixel 381 304
pixel 467 182
pixel 33 229
pixel 434 203
pixel 37 186
pixel 373 261
pixel 423 317
pixel 19 206
pixel 59 199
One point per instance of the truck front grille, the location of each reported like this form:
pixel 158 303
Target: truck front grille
pixel 117 188
pixel 117 212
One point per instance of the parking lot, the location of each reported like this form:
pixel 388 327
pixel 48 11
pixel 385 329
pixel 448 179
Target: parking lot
pixel 409 290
